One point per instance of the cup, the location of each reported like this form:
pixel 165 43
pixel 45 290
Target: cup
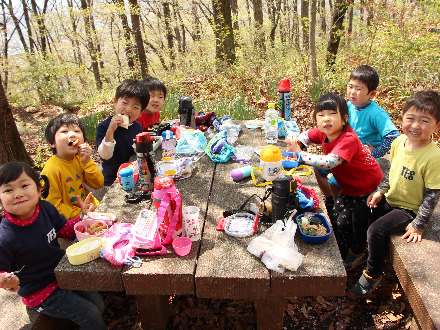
pixel 191 222
pixel 127 178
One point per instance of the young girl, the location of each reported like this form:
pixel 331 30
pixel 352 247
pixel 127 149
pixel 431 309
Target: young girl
pixel 351 163
pixel 29 246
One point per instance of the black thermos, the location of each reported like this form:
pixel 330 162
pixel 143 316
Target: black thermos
pixel 186 112
pixel 284 197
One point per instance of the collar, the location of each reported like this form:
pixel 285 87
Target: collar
pixel 23 223
pixel 362 107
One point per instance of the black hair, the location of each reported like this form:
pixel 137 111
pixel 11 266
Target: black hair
pixel 11 171
pixel 427 101
pixel 154 84
pixel 65 119
pixel 366 74
pixel 331 102
pixel 133 88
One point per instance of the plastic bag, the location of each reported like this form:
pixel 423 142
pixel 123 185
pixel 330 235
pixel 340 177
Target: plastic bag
pixel 191 142
pixel 276 247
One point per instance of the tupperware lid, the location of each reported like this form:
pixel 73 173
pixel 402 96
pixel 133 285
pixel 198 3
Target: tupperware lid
pixel 126 171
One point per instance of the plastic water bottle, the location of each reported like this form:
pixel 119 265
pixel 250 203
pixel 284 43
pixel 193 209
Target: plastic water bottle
pixel 284 98
pixel 271 124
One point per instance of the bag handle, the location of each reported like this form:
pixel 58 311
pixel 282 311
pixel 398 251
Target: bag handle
pixel 161 213
pixel 289 173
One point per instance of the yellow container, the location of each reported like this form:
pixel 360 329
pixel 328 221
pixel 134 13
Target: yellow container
pixel 86 256
pixel 270 154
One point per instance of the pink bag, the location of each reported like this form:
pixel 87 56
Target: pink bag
pixel 117 245
pixel 146 240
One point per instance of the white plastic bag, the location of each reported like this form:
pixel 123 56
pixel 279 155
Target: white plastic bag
pixel 276 247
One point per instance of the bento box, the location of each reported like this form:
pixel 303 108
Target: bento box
pixel 84 251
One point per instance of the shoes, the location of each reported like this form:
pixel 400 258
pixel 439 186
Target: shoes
pixel 353 260
pixel 366 285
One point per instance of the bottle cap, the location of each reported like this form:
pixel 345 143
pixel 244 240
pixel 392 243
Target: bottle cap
pixel 270 154
pixel 166 135
pixel 284 85
pixel 163 181
pixel 271 105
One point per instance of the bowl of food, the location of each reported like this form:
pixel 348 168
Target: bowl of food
pixel 84 251
pixel 289 159
pixel 89 228
pixel 314 227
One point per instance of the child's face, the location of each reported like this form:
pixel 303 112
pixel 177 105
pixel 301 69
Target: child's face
pixel 157 99
pixel 20 197
pixel 331 123
pixel 63 141
pixel 358 94
pixel 418 126
pixel 129 106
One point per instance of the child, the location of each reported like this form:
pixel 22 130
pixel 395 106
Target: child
pixel 371 123
pixel 29 246
pixel 158 93
pixel 71 166
pixel 113 138
pixel 407 195
pixel 356 171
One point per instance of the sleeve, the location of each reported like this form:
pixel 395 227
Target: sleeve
pixel 430 200
pixel 325 162
pixel 67 231
pixel 92 175
pixel 384 185
pixel 56 189
pixel 105 149
pixel 386 145
pixel 304 139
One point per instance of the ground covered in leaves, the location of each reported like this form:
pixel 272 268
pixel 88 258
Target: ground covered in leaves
pixel 386 308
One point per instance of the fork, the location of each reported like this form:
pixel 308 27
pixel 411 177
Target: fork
pixel 14 273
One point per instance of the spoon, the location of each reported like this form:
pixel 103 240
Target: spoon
pixel 14 273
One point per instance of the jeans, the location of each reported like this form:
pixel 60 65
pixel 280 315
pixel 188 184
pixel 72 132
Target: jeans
pixel 389 221
pixel 84 308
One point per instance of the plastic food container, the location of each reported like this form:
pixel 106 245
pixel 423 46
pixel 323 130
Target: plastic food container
pixel 182 245
pixel 85 223
pixel 76 257
pixel 289 163
pixel 314 239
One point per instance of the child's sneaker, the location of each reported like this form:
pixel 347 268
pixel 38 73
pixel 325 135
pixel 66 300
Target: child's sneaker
pixel 353 260
pixel 366 285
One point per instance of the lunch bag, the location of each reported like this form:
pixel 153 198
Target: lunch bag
pixel 220 151
pixel 117 245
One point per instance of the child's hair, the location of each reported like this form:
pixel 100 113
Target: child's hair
pixel 56 123
pixel 12 170
pixel 133 88
pixel 154 84
pixel 426 101
pixel 331 102
pixel 367 75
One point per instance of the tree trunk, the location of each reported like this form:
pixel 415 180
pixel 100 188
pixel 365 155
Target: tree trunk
pixel 258 23
pixel 234 9
pixel 339 9
pixel 41 26
pixel 135 22
pixel 275 17
pixel 305 23
pixel 11 146
pixel 350 24
pixel 18 27
pixel 224 33
pixel 323 16
pixel 197 24
pixel 128 46
pixel 169 32
pixel 91 47
pixel 313 68
pixel 179 22
pixel 28 26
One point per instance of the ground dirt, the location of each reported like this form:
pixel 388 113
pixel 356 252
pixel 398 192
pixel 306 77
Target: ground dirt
pixel 386 308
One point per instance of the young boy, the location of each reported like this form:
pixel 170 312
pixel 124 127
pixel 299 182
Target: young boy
pixel 115 135
pixel 407 195
pixel 371 123
pixel 71 166
pixel 158 93
pixel 356 171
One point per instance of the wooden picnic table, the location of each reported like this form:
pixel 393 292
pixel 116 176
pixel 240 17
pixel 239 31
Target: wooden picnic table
pixel 218 266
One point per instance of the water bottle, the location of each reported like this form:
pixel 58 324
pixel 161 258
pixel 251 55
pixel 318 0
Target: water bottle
pixel 284 197
pixel 186 112
pixel 145 159
pixel 271 124
pixel 284 98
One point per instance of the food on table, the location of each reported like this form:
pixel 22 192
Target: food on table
pixel 312 226
pixel 95 228
pixel 292 158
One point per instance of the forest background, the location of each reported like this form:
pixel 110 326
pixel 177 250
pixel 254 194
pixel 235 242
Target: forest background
pixel 228 56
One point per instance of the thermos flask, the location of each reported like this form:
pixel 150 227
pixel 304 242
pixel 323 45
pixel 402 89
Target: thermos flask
pixel 186 112
pixel 284 197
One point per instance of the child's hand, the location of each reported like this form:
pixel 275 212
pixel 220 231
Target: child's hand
pixel 9 281
pixel 293 145
pixel 85 150
pixel 115 122
pixel 86 206
pixel 374 199
pixel 412 234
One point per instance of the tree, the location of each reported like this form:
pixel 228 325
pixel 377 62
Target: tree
pixel 11 146
pixel 136 24
pixel 313 68
pixel 258 24
pixel 305 23
pixel 339 9
pixel 169 32
pixel 224 33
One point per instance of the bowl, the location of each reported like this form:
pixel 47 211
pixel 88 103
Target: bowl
pixel 182 245
pixel 289 163
pixel 86 223
pixel 314 239
pixel 88 251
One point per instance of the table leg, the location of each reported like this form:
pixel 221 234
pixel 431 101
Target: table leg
pixel 153 311
pixel 270 313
